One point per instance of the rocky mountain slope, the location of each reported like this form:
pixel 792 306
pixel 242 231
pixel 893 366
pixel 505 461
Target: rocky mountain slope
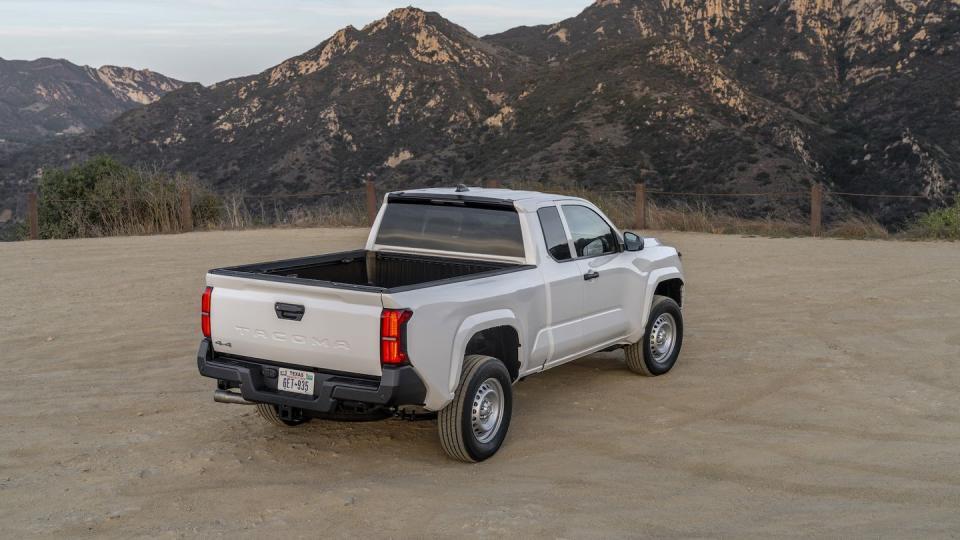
pixel 704 95
pixel 859 94
pixel 47 97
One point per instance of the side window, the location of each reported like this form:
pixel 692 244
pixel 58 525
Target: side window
pixel 553 233
pixel 591 234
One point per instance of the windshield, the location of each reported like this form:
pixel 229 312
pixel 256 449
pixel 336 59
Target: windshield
pixel 463 229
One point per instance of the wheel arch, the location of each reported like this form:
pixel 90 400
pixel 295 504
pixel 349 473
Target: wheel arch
pixel 671 288
pixel 664 280
pixel 500 342
pixel 493 333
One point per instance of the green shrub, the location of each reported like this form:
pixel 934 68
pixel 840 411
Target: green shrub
pixel 65 208
pixel 102 197
pixel 941 224
pixel 17 231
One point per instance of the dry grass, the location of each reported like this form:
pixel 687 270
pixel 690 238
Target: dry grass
pixel 242 212
pixel 702 217
pixel 157 211
pixel 859 228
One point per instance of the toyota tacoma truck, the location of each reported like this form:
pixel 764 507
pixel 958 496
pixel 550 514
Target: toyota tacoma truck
pixel 458 294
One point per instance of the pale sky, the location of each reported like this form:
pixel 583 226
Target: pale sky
pixel 213 40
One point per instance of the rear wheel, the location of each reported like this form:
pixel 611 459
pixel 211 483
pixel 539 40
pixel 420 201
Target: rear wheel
pixel 271 414
pixel 657 352
pixel 474 425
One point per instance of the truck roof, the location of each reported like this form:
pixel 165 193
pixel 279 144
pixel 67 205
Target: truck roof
pixel 523 200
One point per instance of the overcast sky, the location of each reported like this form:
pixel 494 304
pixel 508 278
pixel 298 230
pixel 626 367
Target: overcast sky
pixel 213 40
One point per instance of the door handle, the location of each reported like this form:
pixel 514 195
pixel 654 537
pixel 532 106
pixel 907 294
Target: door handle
pixel 593 274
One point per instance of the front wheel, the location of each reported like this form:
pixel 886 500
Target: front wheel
pixel 474 425
pixel 657 352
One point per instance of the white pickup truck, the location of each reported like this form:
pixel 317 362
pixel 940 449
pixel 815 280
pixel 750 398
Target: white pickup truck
pixel 459 294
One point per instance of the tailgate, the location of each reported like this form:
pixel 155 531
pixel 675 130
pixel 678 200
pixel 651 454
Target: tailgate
pixel 339 329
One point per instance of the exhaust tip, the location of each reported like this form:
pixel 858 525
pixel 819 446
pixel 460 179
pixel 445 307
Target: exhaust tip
pixel 225 396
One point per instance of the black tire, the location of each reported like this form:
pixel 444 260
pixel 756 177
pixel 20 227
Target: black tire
pixel 642 356
pixel 455 422
pixel 270 413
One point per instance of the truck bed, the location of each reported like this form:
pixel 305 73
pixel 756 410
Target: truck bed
pixel 371 270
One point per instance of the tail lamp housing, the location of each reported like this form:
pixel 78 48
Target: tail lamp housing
pixel 205 311
pixel 393 336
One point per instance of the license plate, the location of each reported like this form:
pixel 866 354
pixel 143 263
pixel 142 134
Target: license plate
pixel 298 382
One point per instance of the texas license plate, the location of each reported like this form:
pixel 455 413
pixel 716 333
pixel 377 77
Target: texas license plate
pixel 292 380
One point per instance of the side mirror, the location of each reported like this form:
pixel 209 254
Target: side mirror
pixel 594 248
pixel 632 242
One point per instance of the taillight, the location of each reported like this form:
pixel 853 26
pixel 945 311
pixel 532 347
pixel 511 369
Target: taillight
pixel 393 334
pixel 205 311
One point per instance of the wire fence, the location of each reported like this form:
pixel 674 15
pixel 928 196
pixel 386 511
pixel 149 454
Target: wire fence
pixel 798 212
pixel 333 208
pixel 816 211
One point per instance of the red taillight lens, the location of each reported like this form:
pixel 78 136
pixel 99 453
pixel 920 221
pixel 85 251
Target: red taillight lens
pixel 393 333
pixel 205 311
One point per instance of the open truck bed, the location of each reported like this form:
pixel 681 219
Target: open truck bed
pixel 325 311
pixel 369 270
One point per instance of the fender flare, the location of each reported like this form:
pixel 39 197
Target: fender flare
pixel 657 277
pixel 467 329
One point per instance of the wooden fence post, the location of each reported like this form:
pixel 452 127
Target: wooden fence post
pixel 371 201
pixel 640 213
pixel 33 219
pixel 186 210
pixel 816 209
pixel 492 183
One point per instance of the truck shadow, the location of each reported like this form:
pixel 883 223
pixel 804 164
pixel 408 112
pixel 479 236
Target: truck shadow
pixel 536 400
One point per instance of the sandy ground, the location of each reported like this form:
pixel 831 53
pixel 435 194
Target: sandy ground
pixel 817 394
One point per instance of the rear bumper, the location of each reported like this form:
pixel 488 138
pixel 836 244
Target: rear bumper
pixel 257 381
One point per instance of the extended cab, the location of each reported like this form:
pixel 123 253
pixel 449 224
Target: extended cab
pixel 458 294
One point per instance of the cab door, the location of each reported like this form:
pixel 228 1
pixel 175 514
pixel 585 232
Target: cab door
pixel 561 337
pixel 597 248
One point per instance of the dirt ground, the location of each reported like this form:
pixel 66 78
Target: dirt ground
pixel 816 395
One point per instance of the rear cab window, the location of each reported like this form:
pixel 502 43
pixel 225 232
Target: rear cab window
pixel 554 235
pixel 459 228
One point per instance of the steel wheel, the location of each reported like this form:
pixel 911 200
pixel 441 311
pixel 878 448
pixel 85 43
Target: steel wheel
pixel 487 411
pixel 656 353
pixel 473 426
pixel 663 338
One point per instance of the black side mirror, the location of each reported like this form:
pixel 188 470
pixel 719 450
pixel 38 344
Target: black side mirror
pixel 632 242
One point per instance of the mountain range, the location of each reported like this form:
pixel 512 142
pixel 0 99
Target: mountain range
pixel 47 97
pixel 685 95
